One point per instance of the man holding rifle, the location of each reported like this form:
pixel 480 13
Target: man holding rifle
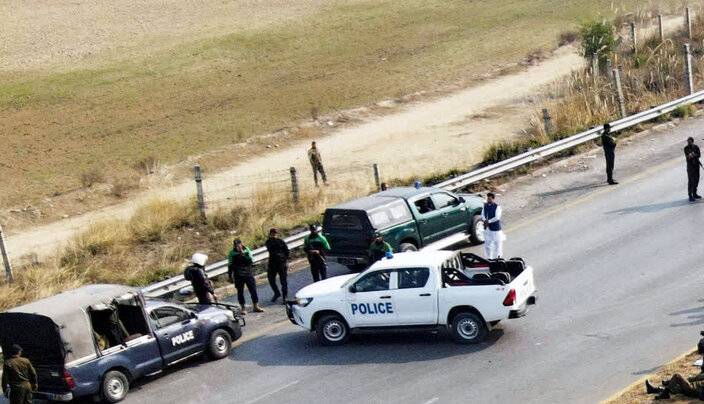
pixel 692 154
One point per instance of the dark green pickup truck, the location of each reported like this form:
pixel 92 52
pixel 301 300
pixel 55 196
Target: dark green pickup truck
pixel 409 219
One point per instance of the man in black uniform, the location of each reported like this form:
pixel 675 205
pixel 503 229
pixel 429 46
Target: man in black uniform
pixel 609 145
pixel 240 271
pixel 202 286
pixel 692 154
pixel 278 257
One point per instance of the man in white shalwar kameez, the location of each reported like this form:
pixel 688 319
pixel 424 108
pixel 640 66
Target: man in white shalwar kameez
pixel 493 234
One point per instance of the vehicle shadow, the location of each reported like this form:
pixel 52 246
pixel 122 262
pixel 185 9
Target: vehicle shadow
pixel 652 208
pixel 297 348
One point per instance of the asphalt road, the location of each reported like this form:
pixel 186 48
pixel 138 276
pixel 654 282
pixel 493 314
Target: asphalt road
pixel 620 278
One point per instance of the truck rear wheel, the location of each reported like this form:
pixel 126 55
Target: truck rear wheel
pixel 476 231
pixel 219 345
pixel 404 247
pixel 468 328
pixel 115 386
pixel 332 330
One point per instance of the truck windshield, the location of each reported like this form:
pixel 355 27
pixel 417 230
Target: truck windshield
pixel 389 215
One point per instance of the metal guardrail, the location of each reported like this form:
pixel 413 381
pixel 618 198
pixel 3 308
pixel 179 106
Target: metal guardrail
pixel 219 268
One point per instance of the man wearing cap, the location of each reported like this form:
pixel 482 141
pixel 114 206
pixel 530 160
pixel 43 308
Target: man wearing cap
pixel 240 271
pixel 19 378
pixel 609 145
pixel 379 249
pixel 277 264
pixel 493 233
pixel 692 155
pixel 316 247
pixel 202 286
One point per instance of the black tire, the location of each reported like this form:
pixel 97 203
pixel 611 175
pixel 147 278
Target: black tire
pixel 219 345
pixel 115 386
pixel 404 247
pixel 468 328
pixel 476 231
pixel 332 330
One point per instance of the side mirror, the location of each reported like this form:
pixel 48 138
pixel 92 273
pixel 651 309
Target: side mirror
pixel 462 200
pixel 194 315
pixel 353 289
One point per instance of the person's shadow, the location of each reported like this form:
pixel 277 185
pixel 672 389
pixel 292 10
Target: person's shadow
pixel 651 208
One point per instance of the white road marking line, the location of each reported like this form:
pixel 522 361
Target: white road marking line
pixel 432 400
pixel 263 396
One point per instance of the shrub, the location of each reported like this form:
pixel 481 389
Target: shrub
pixel 91 177
pixel 568 37
pixel 597 37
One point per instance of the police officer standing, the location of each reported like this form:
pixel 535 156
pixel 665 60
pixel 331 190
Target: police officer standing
pixel 379 249
pixel 277 265
pixel 692 154
pixel 19 378
pixel 316 247
pixel 609 145
pixel 202 286
pixel 316 162
pixel 239 269
pixel 493 234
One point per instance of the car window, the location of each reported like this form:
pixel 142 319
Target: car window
pixel 345 221
pixel 424 205
pixel 389 215
pixel 409 278
pixel 443 200
pixel 165 316
pixel 374 282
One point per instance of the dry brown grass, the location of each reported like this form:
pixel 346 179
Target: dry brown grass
pixel 635 394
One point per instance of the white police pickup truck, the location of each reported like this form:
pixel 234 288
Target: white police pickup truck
pixel 423 290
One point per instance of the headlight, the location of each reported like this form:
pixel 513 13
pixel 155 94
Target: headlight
pixel 230 315
pixel 303 301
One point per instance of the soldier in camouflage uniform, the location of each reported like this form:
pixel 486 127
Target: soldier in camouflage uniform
pixel 692 387
pixel 19 378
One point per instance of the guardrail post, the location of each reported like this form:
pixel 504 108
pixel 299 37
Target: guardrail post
pixel 619 93
pixel 294 185
pixel 199 189
pixel 547 121
pixel 688 22
pixel 688 67
pixel 595 66
pixel 634 41
pixel 661 31
pixel 377 177
pixel 5 257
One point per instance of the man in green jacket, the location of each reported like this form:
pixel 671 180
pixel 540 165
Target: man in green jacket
pixel 19 378
pixel 239 269
pixel 316 247
pixel 379 249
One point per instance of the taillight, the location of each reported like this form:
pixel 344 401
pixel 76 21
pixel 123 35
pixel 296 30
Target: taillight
pixel 69 380
pixel 510 298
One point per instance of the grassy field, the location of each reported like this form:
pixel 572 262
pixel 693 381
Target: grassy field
pixel 200 95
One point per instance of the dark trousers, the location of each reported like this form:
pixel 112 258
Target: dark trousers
pixel 692 180
pixel 610 157
pixel 204 297
pixel 318 168
pixel 319 269
pixel 281 271
pixel 248 280
pixel 20 395
pixel 679 385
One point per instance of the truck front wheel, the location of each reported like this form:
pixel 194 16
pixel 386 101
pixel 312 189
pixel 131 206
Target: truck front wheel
pixel 468 328
pixel 476 232
pixel 332 330
pixel 220 344
pixel 115 386
pixel 404 247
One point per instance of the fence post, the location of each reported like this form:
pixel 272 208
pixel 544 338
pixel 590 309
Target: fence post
pixel 609 67
pixel 5 257
pixel 619 93
pixel 199 189
pixel 547 121
pixel 688 22
pixel 294 185
pixel 377 177
pixel 634 41
pixel 595 65
pixel 688 66
pixel 661 31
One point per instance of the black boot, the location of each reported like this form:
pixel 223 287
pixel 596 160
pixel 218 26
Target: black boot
pixel 664 395
pixel 276 296
pixel 650 389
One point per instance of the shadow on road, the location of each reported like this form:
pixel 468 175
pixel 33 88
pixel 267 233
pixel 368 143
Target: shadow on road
pixel 572 189
pixel 652 208
pixel 695 316
pixel 300 349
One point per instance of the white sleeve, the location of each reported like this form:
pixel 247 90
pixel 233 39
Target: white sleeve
pixel 483 217
pixel 497 216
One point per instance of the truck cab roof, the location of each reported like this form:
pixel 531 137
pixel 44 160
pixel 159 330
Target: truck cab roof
pixel 383 198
